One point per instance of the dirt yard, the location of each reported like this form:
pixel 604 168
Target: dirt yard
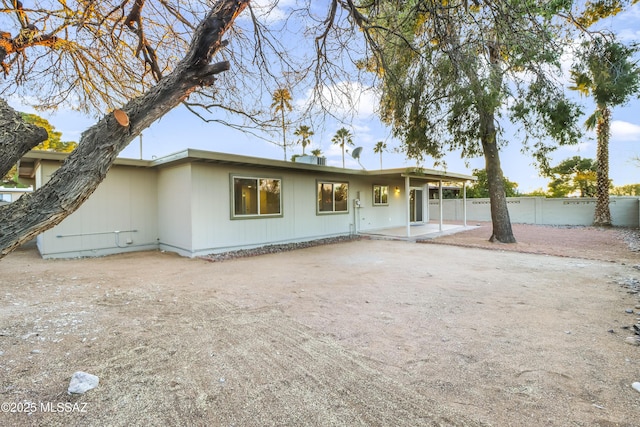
pixel 363 333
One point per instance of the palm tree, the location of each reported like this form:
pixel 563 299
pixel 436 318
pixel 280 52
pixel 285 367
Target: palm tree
pixel 304 132
pixel 606 72
pixel 379 148
pixel 342 137
pixel 317 152
pixel 281 102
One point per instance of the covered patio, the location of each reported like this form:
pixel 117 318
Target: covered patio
pixel 416 194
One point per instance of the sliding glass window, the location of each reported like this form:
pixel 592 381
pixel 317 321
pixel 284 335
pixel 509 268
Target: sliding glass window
pixel 333 197
pixel 256 197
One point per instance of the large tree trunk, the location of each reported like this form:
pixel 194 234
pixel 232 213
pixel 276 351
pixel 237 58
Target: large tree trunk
pixel 602 215
pixel 16 137
pixel 502 231
pixel 488 137
pixel 88 164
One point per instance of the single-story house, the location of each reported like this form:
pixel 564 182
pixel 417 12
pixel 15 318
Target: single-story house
pixel 198 202
pixel 11 194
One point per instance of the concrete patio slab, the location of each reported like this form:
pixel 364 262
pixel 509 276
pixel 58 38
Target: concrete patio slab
pixel 417 232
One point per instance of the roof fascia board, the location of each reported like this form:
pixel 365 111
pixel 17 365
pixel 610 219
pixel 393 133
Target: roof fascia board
pixel 193 155
pixel 39 155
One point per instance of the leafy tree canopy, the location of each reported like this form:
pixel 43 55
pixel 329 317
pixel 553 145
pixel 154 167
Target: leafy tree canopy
pixel 573 176
pixel 54 142
pixel 626 190
pixel 342 137
pixel 539 192
pixel 304 132
pixel 606 70
pixel 595 10
pixel 480 188
pixel 445 66
pixel 453 73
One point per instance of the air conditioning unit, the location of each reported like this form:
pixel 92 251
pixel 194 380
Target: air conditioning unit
pixel 312 160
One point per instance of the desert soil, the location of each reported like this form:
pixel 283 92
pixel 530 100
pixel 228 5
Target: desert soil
pixel 361 333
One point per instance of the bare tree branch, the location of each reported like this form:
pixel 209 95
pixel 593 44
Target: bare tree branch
pixel 88 164
pixel 16 137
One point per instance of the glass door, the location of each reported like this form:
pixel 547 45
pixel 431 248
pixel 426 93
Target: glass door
pixel 415 205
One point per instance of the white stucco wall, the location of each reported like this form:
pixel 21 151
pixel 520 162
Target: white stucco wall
pixel 214 229
pixel 183 205
pixel 175 209
pixel 539 210
pixel 120 216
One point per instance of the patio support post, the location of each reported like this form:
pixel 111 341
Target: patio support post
pixel 464 202
pixel 440 202
pixel 407 192
pixel 425 203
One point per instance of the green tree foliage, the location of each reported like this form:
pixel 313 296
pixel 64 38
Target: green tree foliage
pixel 536 193
pixel 281 103
pixel 626 190
pixel 304 132
pixel 379 149
pixel 341 138
pixel 606 71
pixel 450 71
pixel 53 143
pixel 596 10
pixel 480 188
pixel 573 176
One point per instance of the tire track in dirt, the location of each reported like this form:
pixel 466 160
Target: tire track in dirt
pixel 254 367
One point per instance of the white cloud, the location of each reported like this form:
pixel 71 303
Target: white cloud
pixel 345 100
pixel 577 148
pixel 270 11
pixel 630 15
pixel 353 107
pixel 624 25
pixel 628 35
pixel 625 131
pixel 333 150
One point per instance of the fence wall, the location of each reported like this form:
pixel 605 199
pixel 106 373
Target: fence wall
pixel 625 211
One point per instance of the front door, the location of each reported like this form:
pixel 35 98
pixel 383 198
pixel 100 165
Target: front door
pixel 415 205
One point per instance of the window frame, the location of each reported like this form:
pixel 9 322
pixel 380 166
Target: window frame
pixel 257 179
pixel 333 183
pixel 373 195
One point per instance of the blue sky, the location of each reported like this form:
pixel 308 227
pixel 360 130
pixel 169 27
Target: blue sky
pixel 180 129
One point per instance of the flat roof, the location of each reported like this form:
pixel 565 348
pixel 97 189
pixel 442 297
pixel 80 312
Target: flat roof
pixel 201 156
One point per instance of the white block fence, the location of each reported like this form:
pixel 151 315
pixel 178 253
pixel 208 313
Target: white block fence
pixel 625 211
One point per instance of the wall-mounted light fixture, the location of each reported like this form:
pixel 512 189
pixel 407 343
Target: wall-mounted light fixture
pixel 397 190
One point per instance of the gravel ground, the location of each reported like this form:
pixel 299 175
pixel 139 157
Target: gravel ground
pixel 613 244
pixel 272 249
pixel 341 333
